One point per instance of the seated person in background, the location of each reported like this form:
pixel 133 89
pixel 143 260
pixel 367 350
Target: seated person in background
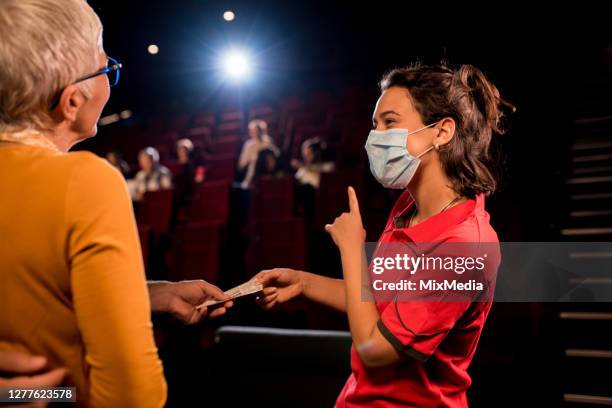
pixel 309 171
pixel 258 140
pixel 267 164
pixel 152 175
pixel 115 159
pixel 191 163
pixel 308 174
pixel 190 173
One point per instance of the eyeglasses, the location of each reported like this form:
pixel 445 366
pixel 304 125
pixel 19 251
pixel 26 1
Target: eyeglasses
pixel 112 69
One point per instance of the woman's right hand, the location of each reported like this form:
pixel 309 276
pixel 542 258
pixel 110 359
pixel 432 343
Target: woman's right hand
pixel 280 285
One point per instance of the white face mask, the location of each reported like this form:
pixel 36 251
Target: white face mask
pixel 390 161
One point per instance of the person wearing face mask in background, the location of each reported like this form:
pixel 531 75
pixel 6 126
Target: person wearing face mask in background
pixel 432 130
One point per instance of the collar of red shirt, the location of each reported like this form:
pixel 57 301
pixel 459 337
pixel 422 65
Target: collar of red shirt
pixel 432 228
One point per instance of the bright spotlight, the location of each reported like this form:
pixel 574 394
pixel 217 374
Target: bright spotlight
pixel 153 49
pixel 229 16
pixel 236 65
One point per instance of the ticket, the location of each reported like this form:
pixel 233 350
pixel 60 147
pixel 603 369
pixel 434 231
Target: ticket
pixel 247 288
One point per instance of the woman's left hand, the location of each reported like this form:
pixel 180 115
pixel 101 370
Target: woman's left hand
pixel 347 230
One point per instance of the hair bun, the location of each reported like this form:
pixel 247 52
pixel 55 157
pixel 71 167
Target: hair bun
pixel 485 95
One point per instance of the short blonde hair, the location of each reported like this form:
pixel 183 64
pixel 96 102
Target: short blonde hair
pixel 260 125
pixel 150 152
pixel 186 143
pixel 45 45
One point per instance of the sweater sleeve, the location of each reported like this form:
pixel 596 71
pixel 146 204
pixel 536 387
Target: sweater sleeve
pixel 109 290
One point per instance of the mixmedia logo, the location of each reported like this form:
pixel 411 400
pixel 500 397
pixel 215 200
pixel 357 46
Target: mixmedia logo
pixel 430 285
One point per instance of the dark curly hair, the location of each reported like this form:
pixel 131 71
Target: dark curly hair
pixel 468 97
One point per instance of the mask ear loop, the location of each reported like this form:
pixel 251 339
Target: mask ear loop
pixel 424 127
pixel 426 150
pixel 434 146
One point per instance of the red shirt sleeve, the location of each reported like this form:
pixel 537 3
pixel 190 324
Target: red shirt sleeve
pixel 417 328
pixel 415 323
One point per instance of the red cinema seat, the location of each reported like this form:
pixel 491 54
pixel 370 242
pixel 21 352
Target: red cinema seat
pixel 272 199
pixel 196 252
pixel 155 210
pixel 277 243
pixel 210 203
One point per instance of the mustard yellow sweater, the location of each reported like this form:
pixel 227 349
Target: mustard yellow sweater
pixel 72 282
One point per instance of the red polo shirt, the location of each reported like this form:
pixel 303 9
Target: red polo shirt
pixel 437 340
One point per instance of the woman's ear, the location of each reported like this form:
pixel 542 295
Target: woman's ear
pixel 70 102
pixel 446 132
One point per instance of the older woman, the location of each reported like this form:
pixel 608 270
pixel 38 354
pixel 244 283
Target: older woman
pixel 258 140
pixel 152 175
pixel 72 283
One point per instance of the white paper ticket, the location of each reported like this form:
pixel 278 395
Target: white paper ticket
pixel 247 288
